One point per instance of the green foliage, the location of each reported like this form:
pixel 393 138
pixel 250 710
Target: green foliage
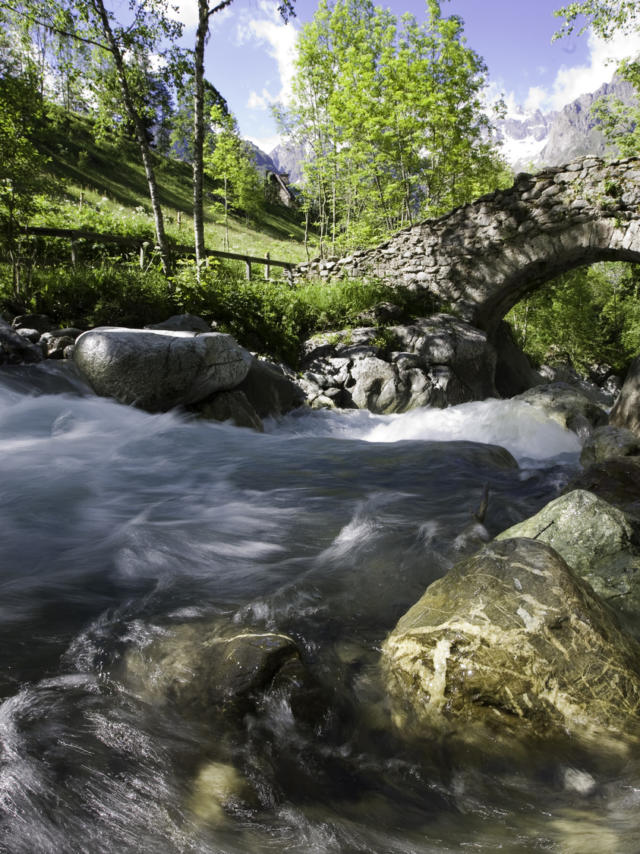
pixel 228 161
pixel 591 314
pixel 392 116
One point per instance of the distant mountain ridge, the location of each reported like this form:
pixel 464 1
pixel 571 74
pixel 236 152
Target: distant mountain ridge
pixel 550 139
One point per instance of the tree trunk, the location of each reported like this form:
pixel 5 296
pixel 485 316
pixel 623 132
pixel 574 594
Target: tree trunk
pixel 141 135
pixel 198 134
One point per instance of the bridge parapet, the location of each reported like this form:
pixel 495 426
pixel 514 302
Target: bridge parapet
pixel 485 256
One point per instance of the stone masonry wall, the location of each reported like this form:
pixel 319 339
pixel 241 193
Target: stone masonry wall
pixel 483 257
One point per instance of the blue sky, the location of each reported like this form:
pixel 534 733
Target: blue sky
pixel 249 57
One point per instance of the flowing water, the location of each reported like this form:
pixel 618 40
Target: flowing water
pixel 117 527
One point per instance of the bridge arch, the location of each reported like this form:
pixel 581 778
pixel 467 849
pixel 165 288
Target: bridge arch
pixel 484 257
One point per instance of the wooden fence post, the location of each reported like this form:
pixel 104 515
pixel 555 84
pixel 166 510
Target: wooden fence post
pixel 248 270
pixel 267 267
pixel 73 254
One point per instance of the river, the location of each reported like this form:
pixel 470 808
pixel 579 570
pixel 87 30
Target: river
pixel 116 526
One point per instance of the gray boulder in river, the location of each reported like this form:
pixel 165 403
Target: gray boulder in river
pixel 157 370
pixel 511 643
pixel 599 541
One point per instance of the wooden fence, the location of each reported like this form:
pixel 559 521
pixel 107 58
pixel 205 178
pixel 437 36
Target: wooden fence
pixel 144 246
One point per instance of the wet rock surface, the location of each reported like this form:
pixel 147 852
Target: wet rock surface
pixel 16 349
pixel 512 643
pixel 616 481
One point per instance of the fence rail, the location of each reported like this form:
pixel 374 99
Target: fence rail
pixel 74 235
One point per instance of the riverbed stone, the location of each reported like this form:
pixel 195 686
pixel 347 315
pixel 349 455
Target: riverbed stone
pixel 270 391
pixel 157 370
pixel 569 406
pixel 626 411
pixel 608 442
pixel 599 541
pixel 511 643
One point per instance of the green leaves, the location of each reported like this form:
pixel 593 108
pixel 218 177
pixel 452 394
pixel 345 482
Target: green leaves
pixel 392 116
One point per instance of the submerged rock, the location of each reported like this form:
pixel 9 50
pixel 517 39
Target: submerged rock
pixel 512 643
pixel 207 673
pixel 596 539
pixel 159 370
pixel 626 412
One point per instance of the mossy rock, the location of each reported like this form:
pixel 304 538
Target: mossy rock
pixel 512 644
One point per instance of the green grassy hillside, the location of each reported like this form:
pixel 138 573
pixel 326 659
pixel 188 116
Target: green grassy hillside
pixel 102 186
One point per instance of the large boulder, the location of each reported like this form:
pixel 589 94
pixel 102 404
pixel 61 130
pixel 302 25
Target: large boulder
pixel 182 323
pixel 15 349
pixel 511 643
pixel 157 370
pixel 231 406
pixel 626 411
pixel 599 541
pixel 569 405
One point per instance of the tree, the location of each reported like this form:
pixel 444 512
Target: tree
pixel 229 161
pixel 206 9
pixel 392 114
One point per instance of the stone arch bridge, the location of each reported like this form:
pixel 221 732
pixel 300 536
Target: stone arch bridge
pixel 484 257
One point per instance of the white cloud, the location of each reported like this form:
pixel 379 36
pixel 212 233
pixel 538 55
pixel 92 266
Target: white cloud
pixel 279 38
pixel 571 82
pixel 260 102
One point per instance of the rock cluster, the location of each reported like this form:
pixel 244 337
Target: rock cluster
pixel 485 256
pixel 434 361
